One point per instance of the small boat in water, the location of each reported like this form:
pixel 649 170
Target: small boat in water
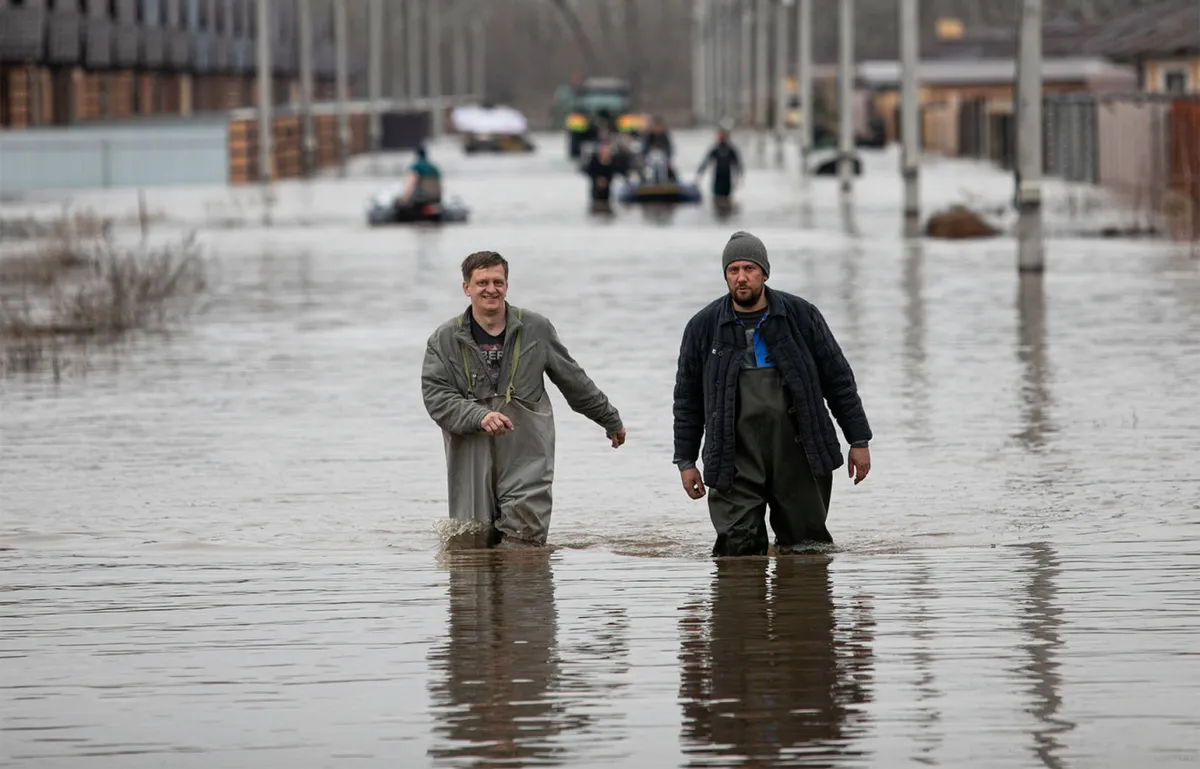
pixel 383 209
pixel 496 129
pixel 659 192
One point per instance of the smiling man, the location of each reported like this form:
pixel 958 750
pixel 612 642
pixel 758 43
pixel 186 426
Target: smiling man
pixel 756 369
pixel 482 382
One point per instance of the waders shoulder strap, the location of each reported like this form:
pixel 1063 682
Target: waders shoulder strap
pixel 466 356
pixel 512 376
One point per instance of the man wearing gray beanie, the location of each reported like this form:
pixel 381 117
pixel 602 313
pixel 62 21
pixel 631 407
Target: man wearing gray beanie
pixel 756 370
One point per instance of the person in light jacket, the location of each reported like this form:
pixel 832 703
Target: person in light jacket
pixel 483 383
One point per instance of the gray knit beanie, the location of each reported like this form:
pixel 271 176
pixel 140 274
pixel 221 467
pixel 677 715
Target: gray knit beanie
pixel 744 247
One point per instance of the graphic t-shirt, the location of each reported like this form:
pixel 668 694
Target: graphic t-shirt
pixel 492 348
pixel 756 354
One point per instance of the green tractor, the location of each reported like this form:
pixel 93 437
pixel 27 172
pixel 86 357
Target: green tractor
pixel 595 102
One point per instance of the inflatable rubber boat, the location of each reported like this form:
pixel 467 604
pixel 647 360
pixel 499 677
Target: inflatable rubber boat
pixel 659 192
pixel 382 209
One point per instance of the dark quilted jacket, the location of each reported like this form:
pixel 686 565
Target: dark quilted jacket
pixel 810 362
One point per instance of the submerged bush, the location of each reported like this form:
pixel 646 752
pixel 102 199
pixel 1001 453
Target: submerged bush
pixel 71 289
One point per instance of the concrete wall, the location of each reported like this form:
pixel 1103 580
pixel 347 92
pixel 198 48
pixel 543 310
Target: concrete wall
pixel 142 154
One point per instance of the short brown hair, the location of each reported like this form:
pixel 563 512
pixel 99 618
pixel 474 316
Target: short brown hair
pixel 481 260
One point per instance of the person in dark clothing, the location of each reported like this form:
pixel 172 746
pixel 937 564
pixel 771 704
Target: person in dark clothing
pixel 601 168
pixel 657 152
pixel 658 138
pixel 725 161
pixel 756 369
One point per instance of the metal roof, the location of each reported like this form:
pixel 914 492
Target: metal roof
pixel 1169 28
pixel 880 74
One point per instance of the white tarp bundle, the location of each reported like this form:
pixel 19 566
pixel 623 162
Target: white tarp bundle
pixel 480 120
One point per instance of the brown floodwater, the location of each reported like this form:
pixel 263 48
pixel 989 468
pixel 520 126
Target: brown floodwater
pixel 221 547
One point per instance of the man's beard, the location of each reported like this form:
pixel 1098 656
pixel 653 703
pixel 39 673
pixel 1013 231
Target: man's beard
pixel 751 299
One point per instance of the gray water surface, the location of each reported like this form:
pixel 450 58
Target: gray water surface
pixel 219 547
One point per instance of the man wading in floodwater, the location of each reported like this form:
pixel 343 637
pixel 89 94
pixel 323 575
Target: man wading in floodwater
pixel 755 370
pixel 482 383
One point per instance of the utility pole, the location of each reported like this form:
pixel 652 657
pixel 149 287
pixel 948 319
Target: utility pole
pixel 462 64
pixel 746 80
pixel 375 73
pixel 265 97
pixel 804 80
pixel 414 49
pixel 479 48
pixel 1031 257
pixel 699 62
pixel 846 95
pixel 308 130
pixel 782 10
pixel 762 75
pixel 434 54
pixel 910 108
pixel 343 119
pixel 720 51
pixel 396 51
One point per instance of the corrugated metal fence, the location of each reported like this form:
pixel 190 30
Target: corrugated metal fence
pixel 143 154
pixel 1144 147
pixel 219 148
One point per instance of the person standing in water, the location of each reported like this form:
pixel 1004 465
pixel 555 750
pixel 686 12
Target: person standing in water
pixel 725 161
pixel 601 170
pixel 756 369
pixel 483 383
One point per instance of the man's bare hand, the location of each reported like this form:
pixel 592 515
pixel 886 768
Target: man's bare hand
pixel 692 483
pixel 617 438
pixel 496 423
pixel 859 464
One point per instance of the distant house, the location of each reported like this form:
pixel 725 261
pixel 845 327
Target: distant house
pixel 1162 41
pixel 947 84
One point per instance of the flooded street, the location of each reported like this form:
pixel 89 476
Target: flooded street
pixel 219 548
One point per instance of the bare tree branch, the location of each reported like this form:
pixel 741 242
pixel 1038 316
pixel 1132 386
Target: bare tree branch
pixel 571 20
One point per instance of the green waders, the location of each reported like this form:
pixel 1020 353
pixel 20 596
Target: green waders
pixel 770 470
pixel 503 483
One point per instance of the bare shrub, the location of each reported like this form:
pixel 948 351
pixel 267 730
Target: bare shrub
pixel 107 292
pixel 43 266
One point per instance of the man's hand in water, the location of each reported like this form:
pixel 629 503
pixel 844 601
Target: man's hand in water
pixel 496 423
pixel 617 438
pixel 692 483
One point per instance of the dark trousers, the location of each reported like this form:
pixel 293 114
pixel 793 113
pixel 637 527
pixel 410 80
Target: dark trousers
pixel 771 473
pixel 722 184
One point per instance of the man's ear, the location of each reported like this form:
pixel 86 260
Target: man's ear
pixel 466 288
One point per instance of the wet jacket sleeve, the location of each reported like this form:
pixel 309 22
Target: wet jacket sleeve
pixel 689 398
pixel 445 404
pixel 709 158
pixel 582 394
pixel 837 382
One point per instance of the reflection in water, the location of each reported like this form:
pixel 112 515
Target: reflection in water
pixel 658 213
pixel 723 208
pixel 929 717
pixel 808 216
pixel 1031 351
pixel 499 664
pixel 601 209
pixel 1042 620
pixel 849 219
pixel 916 381
pixel 766 673
pixel 850 288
